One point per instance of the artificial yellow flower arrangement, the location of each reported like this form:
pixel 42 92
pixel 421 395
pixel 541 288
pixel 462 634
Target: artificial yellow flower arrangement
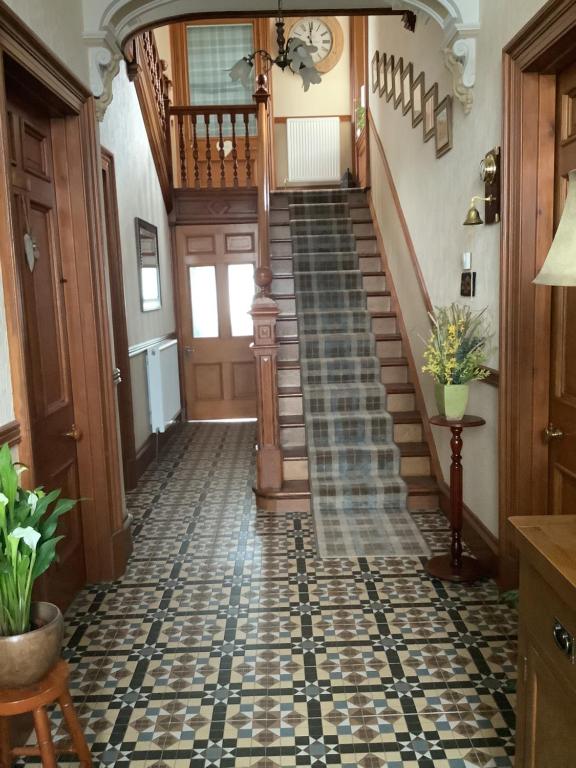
pixel 455 355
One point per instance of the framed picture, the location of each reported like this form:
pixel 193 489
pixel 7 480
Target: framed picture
pixel 382 75
pixel 406 88
pixel 430 104
pixel 389 77
pixel 375 72
pixel 418 90
pixel 443 126
pixel 148 266
pixel 398 69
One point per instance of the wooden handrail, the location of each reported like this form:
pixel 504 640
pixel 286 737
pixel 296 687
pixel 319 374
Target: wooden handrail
pixel 212 109
pixel 147 71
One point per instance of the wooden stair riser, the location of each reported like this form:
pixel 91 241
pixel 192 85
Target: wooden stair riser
pixel 360 229
pixel 289 350
pixel 380 326
pixel 410 466
pixel 292 405
pixel 293 436
pixel 281 216
pixel 284 285
pixel 280 199
pixel 367 246
pixel 284 265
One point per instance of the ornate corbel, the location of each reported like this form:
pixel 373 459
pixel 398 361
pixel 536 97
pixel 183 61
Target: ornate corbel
pixel 460 59
pixel 104 57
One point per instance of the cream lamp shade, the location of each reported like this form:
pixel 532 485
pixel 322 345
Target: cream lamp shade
pixel 560 265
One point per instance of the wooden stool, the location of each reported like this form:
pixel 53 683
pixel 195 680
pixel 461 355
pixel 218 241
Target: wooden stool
pixel 54 687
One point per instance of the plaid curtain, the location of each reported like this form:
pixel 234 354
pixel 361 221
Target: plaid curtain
pixel 213 49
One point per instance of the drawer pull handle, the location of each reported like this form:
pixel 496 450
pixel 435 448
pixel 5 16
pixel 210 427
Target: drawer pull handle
pixel 564 640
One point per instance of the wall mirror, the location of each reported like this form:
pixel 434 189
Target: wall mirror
pixel 148 266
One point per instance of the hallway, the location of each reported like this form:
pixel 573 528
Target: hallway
pixel 227 643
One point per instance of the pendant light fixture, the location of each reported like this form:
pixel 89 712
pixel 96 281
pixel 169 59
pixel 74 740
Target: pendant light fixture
pixel 293 54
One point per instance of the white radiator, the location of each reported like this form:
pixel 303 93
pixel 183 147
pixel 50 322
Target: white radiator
pixel 163 384
pixel 313 149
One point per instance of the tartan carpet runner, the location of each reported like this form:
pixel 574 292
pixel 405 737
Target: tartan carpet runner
pixel 358 496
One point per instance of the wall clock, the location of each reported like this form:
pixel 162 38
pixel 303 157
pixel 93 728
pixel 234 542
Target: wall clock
pixel 325 33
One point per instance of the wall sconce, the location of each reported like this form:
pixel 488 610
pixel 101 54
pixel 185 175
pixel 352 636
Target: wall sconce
pixel 560 265
pixel 490 175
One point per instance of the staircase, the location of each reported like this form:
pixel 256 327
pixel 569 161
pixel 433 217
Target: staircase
pixel 352 236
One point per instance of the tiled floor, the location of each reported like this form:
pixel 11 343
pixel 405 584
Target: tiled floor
pixel 228 643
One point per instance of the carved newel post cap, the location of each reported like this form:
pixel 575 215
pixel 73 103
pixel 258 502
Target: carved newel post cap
pixel 262 89
pixel 263 279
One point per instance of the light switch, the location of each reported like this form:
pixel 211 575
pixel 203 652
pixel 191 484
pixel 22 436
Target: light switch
pixel 466 260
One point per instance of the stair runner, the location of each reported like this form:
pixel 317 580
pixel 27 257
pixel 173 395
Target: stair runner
pixel 358 496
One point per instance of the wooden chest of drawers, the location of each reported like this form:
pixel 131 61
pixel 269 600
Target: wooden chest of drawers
pixel 546 733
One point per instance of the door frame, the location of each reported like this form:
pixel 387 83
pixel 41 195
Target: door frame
pixel 77 155
pixel 530 63
pixel 122 373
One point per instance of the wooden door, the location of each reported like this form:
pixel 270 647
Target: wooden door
pixel 43 302
pixel 216 283
pixel 562 427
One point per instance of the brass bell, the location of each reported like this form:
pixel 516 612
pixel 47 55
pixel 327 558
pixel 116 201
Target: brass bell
pixel 473 216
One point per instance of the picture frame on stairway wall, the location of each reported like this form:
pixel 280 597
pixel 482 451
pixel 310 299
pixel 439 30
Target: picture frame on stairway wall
pixel 443 126
pixel 382 75
pixel 389 77
pixel 418 92
pixel 406 88
pixel 398 69
pixel 375 71
pixel 430 104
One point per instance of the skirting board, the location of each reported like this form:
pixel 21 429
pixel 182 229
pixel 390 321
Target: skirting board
pixel 482 542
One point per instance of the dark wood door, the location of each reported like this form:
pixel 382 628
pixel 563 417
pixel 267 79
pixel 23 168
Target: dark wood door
pixel 43 300
pixel 562 485
pixel 216 281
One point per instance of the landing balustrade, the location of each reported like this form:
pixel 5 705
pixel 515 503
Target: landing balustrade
pixel 216 146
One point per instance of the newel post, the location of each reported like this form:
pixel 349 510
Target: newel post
pixel 264 314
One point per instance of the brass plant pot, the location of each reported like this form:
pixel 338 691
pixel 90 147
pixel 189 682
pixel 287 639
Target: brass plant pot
pixel 26 659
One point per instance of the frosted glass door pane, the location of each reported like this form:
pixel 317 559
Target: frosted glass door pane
pixel 204 302
pixel 241 293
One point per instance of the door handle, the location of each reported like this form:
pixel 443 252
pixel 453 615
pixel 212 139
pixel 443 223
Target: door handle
pixel 75 433
pixel 188 350
pixel 552 433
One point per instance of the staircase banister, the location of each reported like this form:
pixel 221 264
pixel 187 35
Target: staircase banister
pixel 215 109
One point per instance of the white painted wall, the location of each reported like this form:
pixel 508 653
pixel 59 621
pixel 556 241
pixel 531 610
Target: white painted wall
pixel 59 23
pixel 434 194
pixel 139 196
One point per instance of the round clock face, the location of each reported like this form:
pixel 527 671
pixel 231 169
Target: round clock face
pixel 314 31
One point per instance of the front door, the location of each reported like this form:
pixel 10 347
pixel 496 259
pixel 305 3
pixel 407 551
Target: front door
pixel 216 282
pixel 562 428
pixel 43 301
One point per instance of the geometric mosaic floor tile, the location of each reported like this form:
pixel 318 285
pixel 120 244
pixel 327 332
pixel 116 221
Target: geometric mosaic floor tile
pixel 229 643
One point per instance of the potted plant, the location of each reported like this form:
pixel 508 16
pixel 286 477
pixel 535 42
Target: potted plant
pixel 30 633
pixel 455 355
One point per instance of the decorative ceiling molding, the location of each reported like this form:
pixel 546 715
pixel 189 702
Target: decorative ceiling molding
pixel 109 24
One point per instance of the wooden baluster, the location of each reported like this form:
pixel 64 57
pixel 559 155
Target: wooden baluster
pixel 208 152
pixel 234 150
pixel 182 147
pixel 221 154
pixel 195 152
pixel 247 151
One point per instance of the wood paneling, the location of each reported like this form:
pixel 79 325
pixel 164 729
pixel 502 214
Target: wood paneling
pixel 76 162
pixel 542 47
pixel 118 308
pixel 228 206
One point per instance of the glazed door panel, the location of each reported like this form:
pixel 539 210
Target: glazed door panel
pixel 562 485
pixel 216 282
pixel 42 286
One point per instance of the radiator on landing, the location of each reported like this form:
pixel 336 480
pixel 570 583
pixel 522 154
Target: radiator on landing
pixel 313 149
pixel 163 384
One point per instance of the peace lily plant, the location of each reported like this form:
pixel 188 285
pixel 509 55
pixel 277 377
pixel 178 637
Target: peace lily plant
pixel 455 355
pixel 28 522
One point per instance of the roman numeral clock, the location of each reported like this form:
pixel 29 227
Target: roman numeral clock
pixel 325 33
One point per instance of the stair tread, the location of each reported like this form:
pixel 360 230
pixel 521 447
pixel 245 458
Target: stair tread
pixel 398 417
pixel 387 362
pixel 369 294
pixel 294 338
pixel 417 485
pixel 373 314
pixel 409 450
